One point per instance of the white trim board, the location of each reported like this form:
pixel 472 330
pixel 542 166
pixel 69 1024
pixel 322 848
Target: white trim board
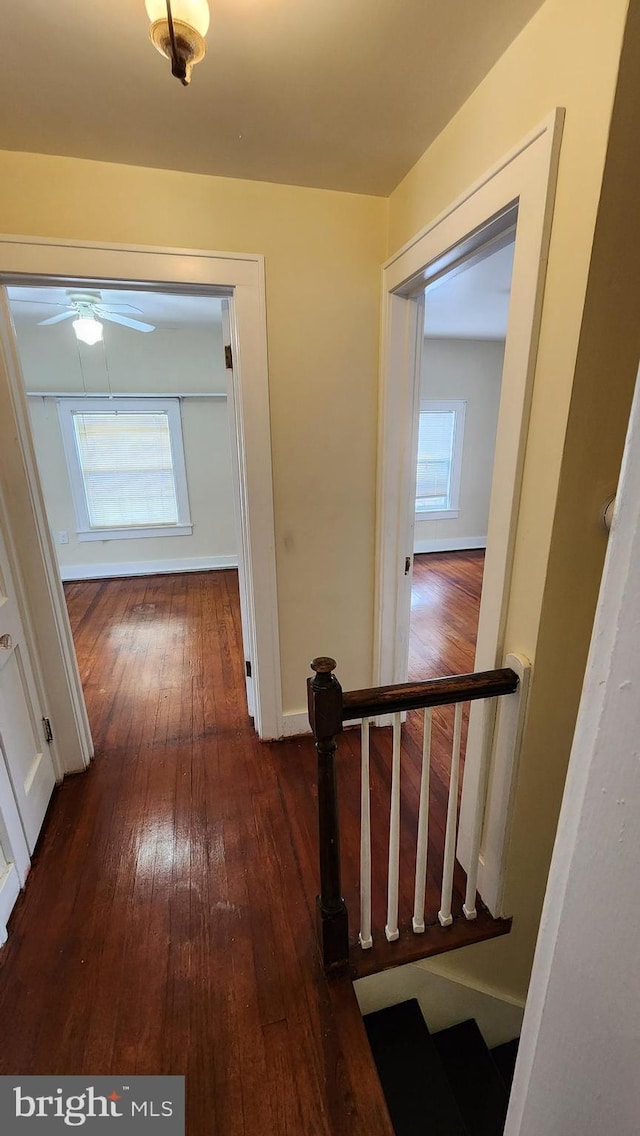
pixel 517 194
pixel 9 892
pixel 295 724
pixel 239 277
pixel 450 544
pixel 109 571
pixel 88 395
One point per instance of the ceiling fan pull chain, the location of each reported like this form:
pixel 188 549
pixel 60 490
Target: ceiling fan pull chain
pixel 82 375
pixel 107 371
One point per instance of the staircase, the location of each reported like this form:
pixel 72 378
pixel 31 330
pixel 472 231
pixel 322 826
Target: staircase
pixel 443 1084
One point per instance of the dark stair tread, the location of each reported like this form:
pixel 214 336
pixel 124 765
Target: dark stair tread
pixel 416 1088
pixel 477 1085
pixel 505 1058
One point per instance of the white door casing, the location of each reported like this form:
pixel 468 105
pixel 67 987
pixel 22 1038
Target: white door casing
pixel 240 509
pixel 23 745
pixel 36 567
pixel 524 182
pixel 241 278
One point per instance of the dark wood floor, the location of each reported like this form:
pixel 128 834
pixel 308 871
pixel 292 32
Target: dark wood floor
pixel 445 602
pixel 168 922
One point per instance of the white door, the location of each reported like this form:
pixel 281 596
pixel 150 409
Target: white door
pixel 23 748
pixel 241 513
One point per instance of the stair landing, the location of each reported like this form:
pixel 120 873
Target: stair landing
pixel 435 940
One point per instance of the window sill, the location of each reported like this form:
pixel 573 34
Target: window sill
pixel 146 531
pixel 439 515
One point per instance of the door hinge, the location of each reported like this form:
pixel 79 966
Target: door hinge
pixel 228 357
pixel 48 732
pixel 247 667
pixel 407 565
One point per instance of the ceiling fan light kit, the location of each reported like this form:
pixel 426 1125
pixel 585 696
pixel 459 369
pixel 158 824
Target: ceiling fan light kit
pixel 88 330
pixel 178 28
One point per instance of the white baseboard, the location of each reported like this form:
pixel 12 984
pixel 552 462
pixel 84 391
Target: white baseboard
pixel 295 724
pixel 450 544
pixel 9 892
pixel 146 567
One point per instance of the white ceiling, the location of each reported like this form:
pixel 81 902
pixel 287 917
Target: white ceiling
pixel 472 303
pixel 30 305
pixel 335 94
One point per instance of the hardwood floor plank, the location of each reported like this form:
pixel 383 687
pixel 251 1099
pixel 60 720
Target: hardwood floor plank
pixel 445 603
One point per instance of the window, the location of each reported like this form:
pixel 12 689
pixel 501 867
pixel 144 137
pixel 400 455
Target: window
pixel 440 440
pixel 126 466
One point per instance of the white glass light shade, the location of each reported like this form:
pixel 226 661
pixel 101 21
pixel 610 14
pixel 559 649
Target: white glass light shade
pixel 195 13
pixel 88 330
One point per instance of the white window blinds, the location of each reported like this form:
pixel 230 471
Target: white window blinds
pixel 435 457
pixel 127 468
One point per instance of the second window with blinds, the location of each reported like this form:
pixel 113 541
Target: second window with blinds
pixel 440 446
pixel 126 467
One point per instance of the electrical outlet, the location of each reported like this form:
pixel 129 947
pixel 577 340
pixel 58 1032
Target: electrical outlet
pixel 63 538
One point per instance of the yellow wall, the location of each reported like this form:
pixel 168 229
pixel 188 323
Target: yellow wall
pixel 323 253
pixel 568 56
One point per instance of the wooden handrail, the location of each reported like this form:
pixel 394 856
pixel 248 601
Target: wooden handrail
pixel 434 692
pixel 329 707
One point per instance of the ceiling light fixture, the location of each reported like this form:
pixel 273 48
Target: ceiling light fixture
pixel 178 28
pixel 88 330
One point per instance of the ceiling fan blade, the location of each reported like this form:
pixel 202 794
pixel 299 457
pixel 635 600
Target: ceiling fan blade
pixel 40 303
pixel 56 319
pixel 137 325
pixel 119 308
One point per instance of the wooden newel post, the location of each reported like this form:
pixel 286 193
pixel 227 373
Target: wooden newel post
pixel 325 716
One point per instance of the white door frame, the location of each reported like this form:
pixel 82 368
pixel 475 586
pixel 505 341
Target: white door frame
pixel 239 505
pixel 524 180
pixel 242 277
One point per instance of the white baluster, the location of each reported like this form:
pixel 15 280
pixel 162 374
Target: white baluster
pixel 469 905
pixel 423 828
pixel 364 937
pixel 444 914
pixel 391 929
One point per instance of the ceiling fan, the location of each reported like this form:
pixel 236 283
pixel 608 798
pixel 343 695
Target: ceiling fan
pixel 88 309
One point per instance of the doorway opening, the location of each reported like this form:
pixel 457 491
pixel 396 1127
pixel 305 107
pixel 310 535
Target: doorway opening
pixel 519 190
pixel 465 326
pixel 130 408
pixel 238 278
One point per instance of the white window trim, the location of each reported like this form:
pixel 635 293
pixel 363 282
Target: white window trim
pixel 67 407
pixel 458 407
